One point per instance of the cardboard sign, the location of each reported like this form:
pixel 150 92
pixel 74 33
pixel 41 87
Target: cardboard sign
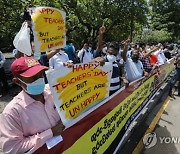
pixel 77 89
pixel 48 26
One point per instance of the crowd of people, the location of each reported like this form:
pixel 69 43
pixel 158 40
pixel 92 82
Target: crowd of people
pixel 31 118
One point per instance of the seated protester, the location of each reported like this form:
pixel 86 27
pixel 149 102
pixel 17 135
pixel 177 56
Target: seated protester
pixel 30 119
pixel 59 59
pixel 133 66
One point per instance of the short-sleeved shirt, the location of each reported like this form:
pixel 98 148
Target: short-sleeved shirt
pixel 115 84
pixel 133 70
pixel 160 57
pixel 85 56
pixel 57 60
pixel 146 62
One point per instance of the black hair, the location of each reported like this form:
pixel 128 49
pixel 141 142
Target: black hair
pixel 114 45
pixel 26 16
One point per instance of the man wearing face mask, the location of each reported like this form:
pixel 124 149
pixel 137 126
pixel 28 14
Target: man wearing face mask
pixel 112 51
pixel 30 119
pixel 59 59
pixel 133 66
pixel 84 54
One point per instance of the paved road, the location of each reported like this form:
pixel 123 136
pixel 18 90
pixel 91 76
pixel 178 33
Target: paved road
pixel 167 127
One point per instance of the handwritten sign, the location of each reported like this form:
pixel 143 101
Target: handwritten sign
pixel 77 89
pixel 48 26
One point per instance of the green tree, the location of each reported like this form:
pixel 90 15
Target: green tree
pixel 84 17
pixel 165 16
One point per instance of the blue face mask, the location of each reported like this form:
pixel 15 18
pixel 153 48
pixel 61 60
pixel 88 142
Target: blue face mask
pixel 89 49
pixel 36 87
pixel 37 55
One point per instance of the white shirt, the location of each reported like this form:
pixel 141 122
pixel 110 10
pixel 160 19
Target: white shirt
pixel 2 59
pixel 134 70
pixel 160 57
pixel 57 60
pixel 87 56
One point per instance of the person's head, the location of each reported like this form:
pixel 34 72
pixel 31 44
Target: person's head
pixel 28 74
pixel 86 45
pixel 113 48
pixel 135 55
pixel 112 51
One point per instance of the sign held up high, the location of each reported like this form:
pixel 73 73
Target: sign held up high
pixel 48 26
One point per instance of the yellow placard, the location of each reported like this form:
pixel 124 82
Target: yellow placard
pixel 48 28
pixel 78 88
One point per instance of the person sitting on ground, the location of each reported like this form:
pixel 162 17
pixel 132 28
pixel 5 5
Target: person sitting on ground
pixel 133 66
pixel 31 118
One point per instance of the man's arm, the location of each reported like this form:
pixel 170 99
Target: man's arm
pixel 52 53
pixel 149 53
pixel 15 141
pixel 100 38
pixel 126 43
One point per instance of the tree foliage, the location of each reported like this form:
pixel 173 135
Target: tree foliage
pixel 84 17
pixel 155 36
pixel 165 15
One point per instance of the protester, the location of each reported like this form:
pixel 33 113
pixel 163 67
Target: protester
pixel 161 59
pixel 112 52
pixel 3 79
pixel 59 59
pixel 133 66
pixel 176 76
pixel 30 119
pixel 144 57
pixel 70 51
pixel 84 55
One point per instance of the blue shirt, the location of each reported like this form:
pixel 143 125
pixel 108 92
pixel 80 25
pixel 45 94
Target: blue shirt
pixel 70 52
